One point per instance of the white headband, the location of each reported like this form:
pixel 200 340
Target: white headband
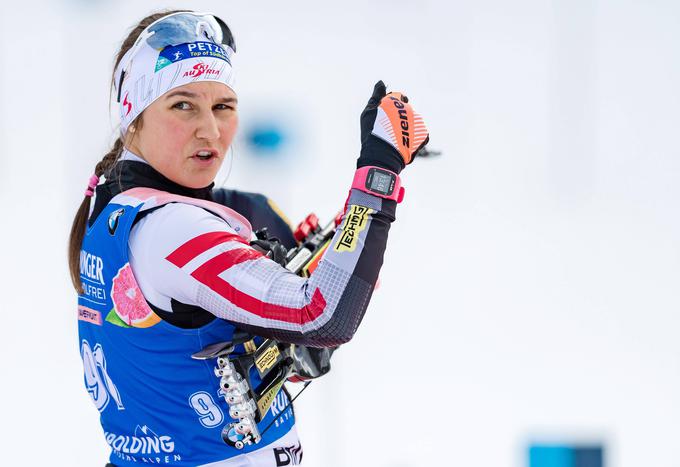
pixel 154 65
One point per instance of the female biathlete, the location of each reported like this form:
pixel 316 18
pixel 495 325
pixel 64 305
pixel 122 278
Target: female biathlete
pixel 163 263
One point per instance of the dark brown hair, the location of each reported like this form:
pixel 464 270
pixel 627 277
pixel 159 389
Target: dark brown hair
pixel 108 161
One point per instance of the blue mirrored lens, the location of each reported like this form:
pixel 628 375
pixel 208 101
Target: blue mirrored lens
pixel 184 28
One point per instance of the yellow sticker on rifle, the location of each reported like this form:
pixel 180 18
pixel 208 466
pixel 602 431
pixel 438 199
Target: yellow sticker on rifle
pixel 355 221
pixel 267 359
pixel 265 402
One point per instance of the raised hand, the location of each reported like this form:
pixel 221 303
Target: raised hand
pixel 392 133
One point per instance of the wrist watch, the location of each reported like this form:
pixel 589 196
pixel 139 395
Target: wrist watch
pixel 379 182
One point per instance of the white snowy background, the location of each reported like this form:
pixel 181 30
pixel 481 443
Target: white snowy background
pixel 530 288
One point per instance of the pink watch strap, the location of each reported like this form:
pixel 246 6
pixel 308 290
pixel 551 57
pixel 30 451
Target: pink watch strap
pixel 364 175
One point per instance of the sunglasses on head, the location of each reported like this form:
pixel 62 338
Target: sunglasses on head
pixel 180 28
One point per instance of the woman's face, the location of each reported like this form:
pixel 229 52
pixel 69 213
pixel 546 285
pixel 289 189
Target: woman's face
pixel 186 132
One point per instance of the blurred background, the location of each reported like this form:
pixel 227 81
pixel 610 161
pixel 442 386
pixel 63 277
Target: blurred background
pixel 528 312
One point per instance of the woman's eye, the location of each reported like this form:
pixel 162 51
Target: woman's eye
pixel 182 106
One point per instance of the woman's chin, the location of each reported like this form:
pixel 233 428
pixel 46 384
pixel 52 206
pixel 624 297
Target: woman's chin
pixel 201 173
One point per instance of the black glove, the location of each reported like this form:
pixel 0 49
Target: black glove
pixel 391 132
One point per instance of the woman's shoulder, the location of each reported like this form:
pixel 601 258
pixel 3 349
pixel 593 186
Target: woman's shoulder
pixel 163 230
pixel 178 213
pixel 179 219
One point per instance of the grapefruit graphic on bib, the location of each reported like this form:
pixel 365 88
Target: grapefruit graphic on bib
pixel 128 301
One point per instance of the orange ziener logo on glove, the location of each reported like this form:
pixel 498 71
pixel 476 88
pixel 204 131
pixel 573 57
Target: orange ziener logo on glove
pixel 401 119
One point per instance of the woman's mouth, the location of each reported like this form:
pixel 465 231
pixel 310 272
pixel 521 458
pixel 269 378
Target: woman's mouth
pixel 205 154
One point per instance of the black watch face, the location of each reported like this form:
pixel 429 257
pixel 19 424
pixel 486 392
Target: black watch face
pixel 380 181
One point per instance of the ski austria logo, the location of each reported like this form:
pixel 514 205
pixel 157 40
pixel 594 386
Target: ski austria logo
pixel 201 69
pixel 113 220
pixel 144 446
pixel 97 379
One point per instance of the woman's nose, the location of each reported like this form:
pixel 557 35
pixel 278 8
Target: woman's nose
pixel 207 127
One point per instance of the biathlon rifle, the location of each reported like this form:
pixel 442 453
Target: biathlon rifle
pixel 274 362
